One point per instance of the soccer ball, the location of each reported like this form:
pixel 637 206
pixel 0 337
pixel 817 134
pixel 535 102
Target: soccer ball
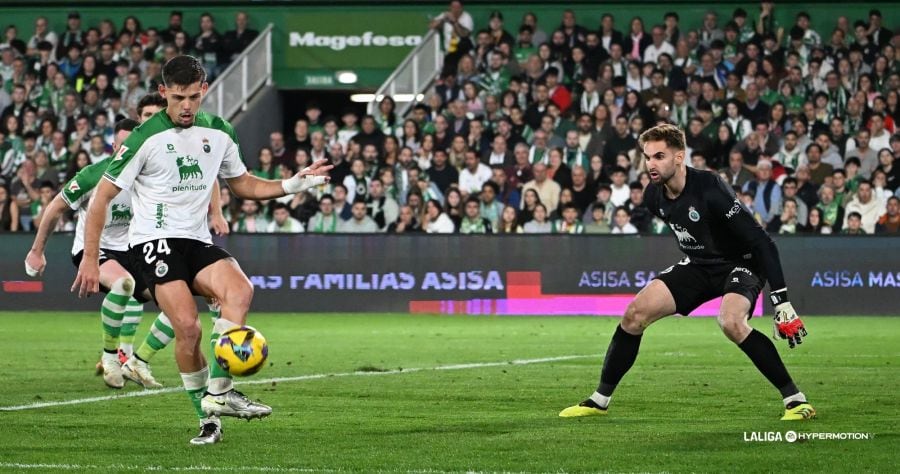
pixel 241 351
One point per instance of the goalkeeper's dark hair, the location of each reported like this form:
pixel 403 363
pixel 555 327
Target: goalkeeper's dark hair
pixel 126 125
pixel 671 134
pixel 183 71
pixel 151 99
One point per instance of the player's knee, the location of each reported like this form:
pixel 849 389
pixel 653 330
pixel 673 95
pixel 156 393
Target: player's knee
pixel 123 286
pixel 240 296
pixel 190 333
pixel 734 326
pixel 636 319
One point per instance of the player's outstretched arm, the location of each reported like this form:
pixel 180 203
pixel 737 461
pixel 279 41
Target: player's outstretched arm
pixel 87 281
pixel 247 186
pixel 35 261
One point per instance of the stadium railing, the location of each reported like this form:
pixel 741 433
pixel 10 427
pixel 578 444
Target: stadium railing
pixel 413 76
pixel 233 89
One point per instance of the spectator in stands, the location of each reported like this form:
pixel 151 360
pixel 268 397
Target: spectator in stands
pixel 282 222
pixel 239 38
pixel 767 193
pixel 499 154
pixel 641 217
pixel 889 223
pixel 569 223
pixel 435 220
pixel 621 141
pixel 382 208
pixel 441 173
pixel 620 190
pixel 490 207
pixel 406 222
pixel 622 222
pixel 598 223
pixel 9 211
pixel 360 222
pixel 547 189
pixel 456 26
pixel 886 165
pixel 250 219
pixel 474 175
pixel 326 220
pixel 832 212
pixel 538 224
pixel 787 221
pixel 853 224
pixel 789 190
pixel 472 222
pixel 357 182
pixel 508 223
pixel 530 200
pixel 868 157
pixel 864 204
pixel 818 170
pixel 209 47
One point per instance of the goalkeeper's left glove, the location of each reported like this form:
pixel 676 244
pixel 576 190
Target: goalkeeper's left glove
pixel 787 324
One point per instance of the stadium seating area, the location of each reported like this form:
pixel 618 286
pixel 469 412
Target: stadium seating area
pixel 525 130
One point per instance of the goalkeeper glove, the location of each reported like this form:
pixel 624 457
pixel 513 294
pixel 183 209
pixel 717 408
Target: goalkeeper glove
pixel 787 324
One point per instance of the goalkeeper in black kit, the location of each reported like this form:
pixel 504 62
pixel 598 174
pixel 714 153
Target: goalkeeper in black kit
pixel 727 254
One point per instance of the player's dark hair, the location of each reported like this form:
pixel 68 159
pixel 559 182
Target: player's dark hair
pixel 151 99
pixel 183 71
pixel 671 134
pixel 126 125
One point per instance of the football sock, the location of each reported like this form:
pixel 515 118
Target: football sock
pixel 762 352
pixel 133 312
pixel 159 336
pixel 214 311
pixel 620 356
pixel 195 386
pixel 794 400
pixel 219 378
pixel 112 311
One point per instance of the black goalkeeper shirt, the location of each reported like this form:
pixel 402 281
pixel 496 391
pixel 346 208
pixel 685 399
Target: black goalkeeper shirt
pixel 713 227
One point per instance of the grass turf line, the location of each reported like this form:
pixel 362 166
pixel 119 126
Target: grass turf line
pixel 684 406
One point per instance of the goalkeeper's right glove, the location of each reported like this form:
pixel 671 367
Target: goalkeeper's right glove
pixel 787 324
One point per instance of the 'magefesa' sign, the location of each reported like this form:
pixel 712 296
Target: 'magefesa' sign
pixel 377 40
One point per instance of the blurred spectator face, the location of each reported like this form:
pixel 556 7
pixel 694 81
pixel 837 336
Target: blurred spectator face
pixel 406 215
pixel 541 93
pixel 471 161
pixel 40 26
pixel 546 124
pixel 498 176
pixel 339 193
pixel 137 53
pixel 432 209
pixel 864 193
pixel 838 180
pixel 358 167
pixel 370 154
pixel 618 178
pixel 893 207
pixel 406 156
pixel 301 128
pixel 621 218
pixel 540 213
pixel 570 214
pixel 498 145
pixel 571 139
pixel 134 80
pixel 789 189
pixel 735 161
pixel 326 205
pixel 885 158
pixel 301 158
pixel 823 141
pixel 521 155
pixel 276 141
pixel 74 53
pixel 206 23
pixel 826 195
pixel 584 125
pixel 249 207
pixel 358 211
pixel 317 140
pixel 540 172
pixel 148 111
pixel 853 222
pixel 440 124
pixel 764 171
pixel 698 161
pixel 540 138
pixel 621 126
pixel 472 210
pixel 281 216
pixel 487 194
pixel 376 189
pixel 240 21
pixel 579 176
pixel 97 145
pixel 876 124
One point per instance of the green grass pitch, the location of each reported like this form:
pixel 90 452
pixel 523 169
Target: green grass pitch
pixel 686 406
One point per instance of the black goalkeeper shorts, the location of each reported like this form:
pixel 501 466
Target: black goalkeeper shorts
pixel 693 284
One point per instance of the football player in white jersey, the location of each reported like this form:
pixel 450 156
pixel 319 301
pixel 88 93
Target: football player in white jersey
pixel 169 165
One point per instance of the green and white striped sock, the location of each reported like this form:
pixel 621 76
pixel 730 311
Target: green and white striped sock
pixel 195 386
pixel 133 312
pixel 159 336
pixel 112 311
pixel 219 378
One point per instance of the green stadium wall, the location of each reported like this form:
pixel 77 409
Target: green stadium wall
pixel 306 65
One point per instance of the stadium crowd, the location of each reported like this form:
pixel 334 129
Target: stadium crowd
pixel 537 132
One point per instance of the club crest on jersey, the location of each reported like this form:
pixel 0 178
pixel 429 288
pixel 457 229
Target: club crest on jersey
pixel 693 215
pixel 161 269
pixel 206 147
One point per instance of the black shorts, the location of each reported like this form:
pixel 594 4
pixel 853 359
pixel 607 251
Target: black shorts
pixel 164 260
pixel 122 258
pixel 693 284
